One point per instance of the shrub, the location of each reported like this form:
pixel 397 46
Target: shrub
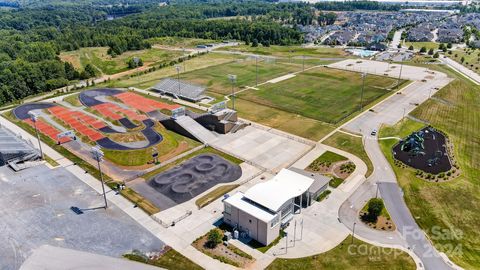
pixel 375 207
pixel 214 238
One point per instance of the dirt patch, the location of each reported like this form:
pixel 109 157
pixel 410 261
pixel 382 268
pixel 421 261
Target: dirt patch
pixel 343 169
pixel 222 253
pixel 383 223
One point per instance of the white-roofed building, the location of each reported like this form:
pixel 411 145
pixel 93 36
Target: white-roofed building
pixel 264 208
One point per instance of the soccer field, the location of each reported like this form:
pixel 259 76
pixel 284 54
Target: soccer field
pixel 328 95
pixel 215 78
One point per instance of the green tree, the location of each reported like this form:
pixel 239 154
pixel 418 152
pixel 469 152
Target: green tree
pixel 436 55
pixel 462 60
pixel 375 207
pixel 411 48
pixel 423 49
pixel 449 45
pixel 255 43
pixel 214 237
pixel 430 52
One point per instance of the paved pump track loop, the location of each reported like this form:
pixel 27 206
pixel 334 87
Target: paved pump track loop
pixel 195 176
pixel 21 112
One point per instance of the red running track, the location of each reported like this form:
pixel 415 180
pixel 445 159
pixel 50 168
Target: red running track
pixel 79 121
pixel 144 104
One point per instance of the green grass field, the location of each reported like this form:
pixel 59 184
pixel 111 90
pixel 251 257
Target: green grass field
pixel 170 260
pixel 179 42
pixel 292 123
pixel 215 78
pixel 328 95
pixel 419 45
pixel 471 58
pixel 349 256
pixel 452 205
pixel 98 57
pixel 351 144
pixel 150 79
pixel 291 51
pixel 172 144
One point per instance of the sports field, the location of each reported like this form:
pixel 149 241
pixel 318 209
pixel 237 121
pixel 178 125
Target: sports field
pixel 453 205
pixel 105 64
pixel 149 79
pixel 291 51
pixel 324 94
pixel 216 77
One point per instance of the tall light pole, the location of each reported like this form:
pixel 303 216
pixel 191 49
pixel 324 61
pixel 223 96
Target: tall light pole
pixel 178 68
pixel 34 118
pixel 233 80
pixel 256 71
pixel 98 155
pixel 303 62
pixel 364 75
pixel 184 60
pixel 400 74
pixel 353 233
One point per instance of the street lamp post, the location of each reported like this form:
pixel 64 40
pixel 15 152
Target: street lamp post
pixel 184 69
pixel 353 232
pixel 400 74
pixel 98 155
pixel 233 79
pixel 256 71
pixel 34 118
pixel 363 88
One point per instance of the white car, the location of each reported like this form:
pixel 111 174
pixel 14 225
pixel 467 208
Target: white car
pixel 374 132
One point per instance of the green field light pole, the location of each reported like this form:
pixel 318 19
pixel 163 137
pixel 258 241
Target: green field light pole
pixel 178 68
pixel 184 59
pixel 233 80
pixel 399 75
pixel 256 71
pixel 364 75
pixel 98 155
pixel 34 118
pixel 303 62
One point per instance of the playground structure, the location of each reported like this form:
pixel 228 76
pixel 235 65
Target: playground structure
pixel 425 150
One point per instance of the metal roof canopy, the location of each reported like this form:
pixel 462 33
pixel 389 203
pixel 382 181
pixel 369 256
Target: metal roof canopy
pixel 274 193
pixel 180 88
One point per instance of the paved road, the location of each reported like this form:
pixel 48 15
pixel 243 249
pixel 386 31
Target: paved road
pixel 396 39
pixel 473 76
pixel 390 112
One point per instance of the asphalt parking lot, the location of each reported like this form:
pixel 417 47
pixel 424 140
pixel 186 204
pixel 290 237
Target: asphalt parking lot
pixel 35 210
